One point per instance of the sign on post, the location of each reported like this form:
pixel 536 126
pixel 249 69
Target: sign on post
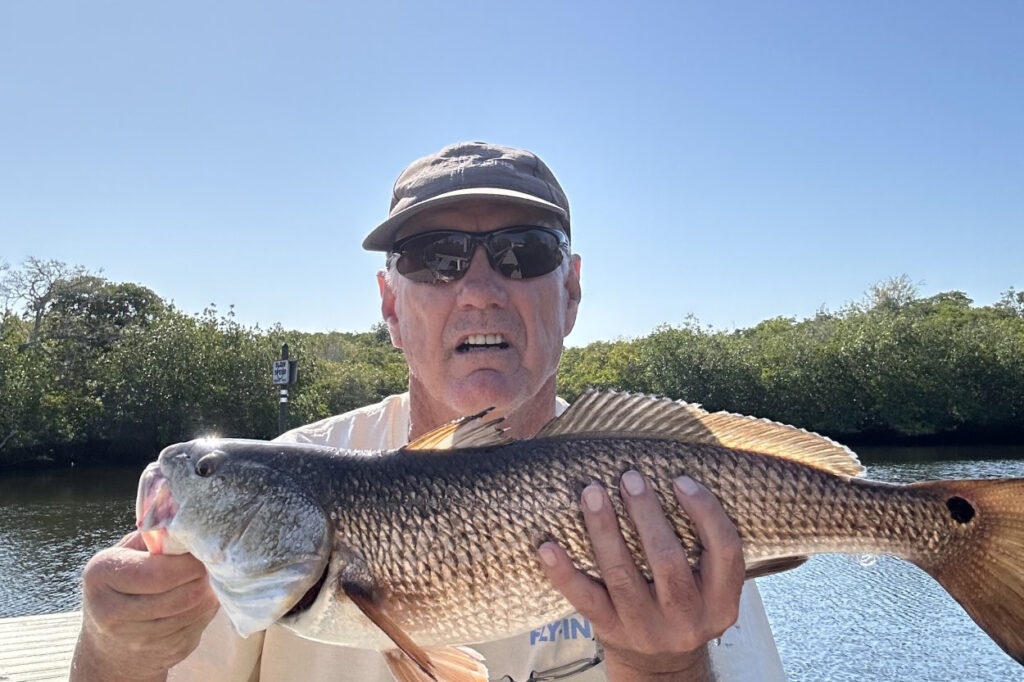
pixel 281 374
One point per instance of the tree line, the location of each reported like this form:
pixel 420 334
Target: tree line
pixel 99 371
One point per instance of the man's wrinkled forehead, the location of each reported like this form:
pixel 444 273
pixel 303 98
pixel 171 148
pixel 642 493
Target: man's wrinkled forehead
pixel 478 216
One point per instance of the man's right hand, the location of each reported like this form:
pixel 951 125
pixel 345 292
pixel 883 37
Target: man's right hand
pixel 142 613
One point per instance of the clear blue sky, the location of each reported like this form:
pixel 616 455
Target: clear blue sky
pixel 737 161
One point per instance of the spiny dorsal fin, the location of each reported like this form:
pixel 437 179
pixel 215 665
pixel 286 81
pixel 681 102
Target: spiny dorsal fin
pixel 468 432
pixel 632 414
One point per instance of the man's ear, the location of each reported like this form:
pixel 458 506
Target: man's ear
pixel 387 308
pixel 572 288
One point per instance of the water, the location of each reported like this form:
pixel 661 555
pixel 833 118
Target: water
pixel 50 524
pixel 838 618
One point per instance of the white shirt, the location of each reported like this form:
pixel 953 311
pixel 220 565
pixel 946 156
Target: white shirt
pixel 746 653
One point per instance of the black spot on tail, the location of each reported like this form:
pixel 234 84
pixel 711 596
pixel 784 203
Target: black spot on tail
pixel 961 510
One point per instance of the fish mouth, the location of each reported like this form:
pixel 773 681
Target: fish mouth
pixel 477 342
pixel 155 508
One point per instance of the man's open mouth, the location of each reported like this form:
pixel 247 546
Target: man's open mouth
pixel 482 342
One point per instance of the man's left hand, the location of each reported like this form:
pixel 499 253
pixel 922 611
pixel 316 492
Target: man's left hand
pixel 657 630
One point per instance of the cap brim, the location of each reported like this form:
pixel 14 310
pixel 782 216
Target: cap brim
pixel 383 236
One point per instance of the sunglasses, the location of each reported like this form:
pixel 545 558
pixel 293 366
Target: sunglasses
pixel 519 252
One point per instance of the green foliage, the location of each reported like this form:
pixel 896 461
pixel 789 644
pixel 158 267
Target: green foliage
pixel 342 371
pixel 92 366
pixel 894 365
pixel 89 365
pixel 183 376
pixel 1011 303
pixel 600 365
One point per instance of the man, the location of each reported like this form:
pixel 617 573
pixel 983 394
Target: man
pixel 480 290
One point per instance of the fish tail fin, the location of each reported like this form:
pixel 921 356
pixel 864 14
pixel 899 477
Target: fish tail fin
pixel 447 664
pixel 984 568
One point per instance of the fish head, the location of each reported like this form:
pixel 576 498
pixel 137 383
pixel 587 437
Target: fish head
pixel 264 540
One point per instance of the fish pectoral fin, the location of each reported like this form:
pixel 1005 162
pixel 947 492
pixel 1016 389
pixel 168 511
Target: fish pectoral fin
pixel 361 594
pixel 451 664
pixel 410 662
pixel 468 432
pixel 759 569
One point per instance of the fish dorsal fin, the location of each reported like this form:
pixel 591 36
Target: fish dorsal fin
pixel 611 413
pixel 468 432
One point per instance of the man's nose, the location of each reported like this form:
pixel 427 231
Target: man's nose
pixel 481 286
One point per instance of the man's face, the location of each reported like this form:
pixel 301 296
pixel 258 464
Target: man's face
pixel 433 323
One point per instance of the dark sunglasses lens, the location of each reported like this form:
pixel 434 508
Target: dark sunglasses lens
pixel 525 253
pixel 517 253
pixel 435 258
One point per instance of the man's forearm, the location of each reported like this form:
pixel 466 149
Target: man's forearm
pixel 694 667
pixel 87 666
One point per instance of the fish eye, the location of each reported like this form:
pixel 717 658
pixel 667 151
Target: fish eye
pixel 206 465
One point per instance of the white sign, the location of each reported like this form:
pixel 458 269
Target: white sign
pixel 280 372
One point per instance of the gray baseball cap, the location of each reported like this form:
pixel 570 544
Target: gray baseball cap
pixel 469 170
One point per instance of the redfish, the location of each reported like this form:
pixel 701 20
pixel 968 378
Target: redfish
pixel 414 551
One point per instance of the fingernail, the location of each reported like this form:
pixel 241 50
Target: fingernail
pixel 593 498
pixel 634 482
pixel 686 485
pixel 547 555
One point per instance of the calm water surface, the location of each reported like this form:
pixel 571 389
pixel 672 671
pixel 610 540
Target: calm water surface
pixel 50 524
pixel 834 618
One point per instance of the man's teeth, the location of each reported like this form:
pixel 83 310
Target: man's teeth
pixel 484 339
